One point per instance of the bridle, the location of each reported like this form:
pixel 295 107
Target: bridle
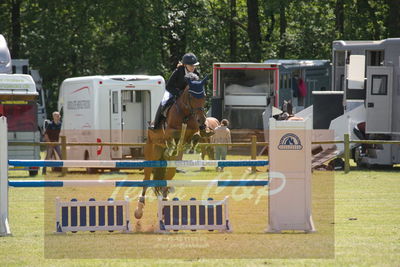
pixel 187 108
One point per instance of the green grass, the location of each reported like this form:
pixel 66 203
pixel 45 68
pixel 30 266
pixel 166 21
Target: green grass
pixel 357 216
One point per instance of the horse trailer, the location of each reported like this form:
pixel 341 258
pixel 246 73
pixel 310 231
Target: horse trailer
pixel 295 75
pixel 113 109
pixel 242 91
pixel 368 72
pixel 245 93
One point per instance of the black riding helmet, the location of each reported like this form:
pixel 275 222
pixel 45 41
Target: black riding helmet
pixel 190 59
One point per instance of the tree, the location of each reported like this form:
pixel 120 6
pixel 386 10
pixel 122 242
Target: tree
pixel 339 18
pixel 232 31
pixel 68 38
pixel 253 26
pixel 393 18
pixel 282 28
pixel 16 28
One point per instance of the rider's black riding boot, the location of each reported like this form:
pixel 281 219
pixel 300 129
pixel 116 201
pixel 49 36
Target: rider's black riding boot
pixel 159 119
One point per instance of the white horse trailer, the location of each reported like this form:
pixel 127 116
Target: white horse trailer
pixel 369 74
pixel 113 109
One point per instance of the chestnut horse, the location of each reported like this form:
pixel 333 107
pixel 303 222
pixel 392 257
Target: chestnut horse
pixel 185 117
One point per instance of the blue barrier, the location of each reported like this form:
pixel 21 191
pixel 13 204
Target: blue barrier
pixel 136 163
pixel 137 183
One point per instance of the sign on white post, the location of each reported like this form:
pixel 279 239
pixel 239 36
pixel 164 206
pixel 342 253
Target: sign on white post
pixel 289 196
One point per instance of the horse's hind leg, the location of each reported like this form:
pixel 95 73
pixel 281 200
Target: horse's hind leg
pixel 169 174
pixel 165 193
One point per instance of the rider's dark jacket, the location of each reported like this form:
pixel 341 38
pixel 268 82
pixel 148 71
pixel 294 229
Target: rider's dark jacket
pixel 177 82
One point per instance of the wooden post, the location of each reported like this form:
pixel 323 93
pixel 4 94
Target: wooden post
pixel 63 153
pixel 253 152
pixel 346 153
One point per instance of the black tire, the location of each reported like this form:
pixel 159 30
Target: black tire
pixel 336 164
pixel 33 173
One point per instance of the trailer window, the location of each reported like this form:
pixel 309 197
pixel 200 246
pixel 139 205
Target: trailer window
pixel 138 97
pixel 127 96
pixel 339 58
pixel 115 102
pixel 379 85
pixel 244 82
pixel 375 58
pixel 20 117
pixel 40 100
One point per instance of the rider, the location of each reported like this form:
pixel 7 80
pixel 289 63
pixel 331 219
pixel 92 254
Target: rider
pixel 175 86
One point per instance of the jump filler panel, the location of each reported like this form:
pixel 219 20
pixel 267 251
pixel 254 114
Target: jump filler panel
pixel 194 215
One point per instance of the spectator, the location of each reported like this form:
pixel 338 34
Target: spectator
pixel 222 136
pixel 52 134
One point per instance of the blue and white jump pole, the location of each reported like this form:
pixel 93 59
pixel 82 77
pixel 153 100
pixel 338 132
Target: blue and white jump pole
pixel 137 183
pixel 121 164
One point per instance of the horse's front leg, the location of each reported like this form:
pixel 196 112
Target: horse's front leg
pixel 148 155
pixel 169 174
pixel 141 201
pixel 171 141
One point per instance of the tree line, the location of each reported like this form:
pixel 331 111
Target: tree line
pixel 68 38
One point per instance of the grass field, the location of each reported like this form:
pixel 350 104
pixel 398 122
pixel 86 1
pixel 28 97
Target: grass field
pixel 357 216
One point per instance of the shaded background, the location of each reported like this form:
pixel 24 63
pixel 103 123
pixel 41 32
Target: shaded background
pixel 68 38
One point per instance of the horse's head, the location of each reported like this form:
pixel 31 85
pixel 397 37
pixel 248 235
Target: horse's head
pixel 287 106
pixel 287 111
pixel 196 98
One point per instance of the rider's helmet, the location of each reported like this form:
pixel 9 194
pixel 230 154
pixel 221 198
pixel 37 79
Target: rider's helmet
pixel 190 59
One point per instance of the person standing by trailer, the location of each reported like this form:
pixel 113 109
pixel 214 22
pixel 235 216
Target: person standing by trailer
pixel 52 134
pixel 222 135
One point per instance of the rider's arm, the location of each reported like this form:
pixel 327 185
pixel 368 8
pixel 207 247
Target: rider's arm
pixel 172 83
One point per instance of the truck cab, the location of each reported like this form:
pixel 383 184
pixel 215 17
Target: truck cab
pixel 18 104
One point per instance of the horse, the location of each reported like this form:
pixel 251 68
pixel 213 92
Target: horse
pixel 211 123
pixel 287 112
pixel 184 118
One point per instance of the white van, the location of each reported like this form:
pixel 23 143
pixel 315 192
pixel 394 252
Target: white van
pixel 18 103
pixel 113 108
